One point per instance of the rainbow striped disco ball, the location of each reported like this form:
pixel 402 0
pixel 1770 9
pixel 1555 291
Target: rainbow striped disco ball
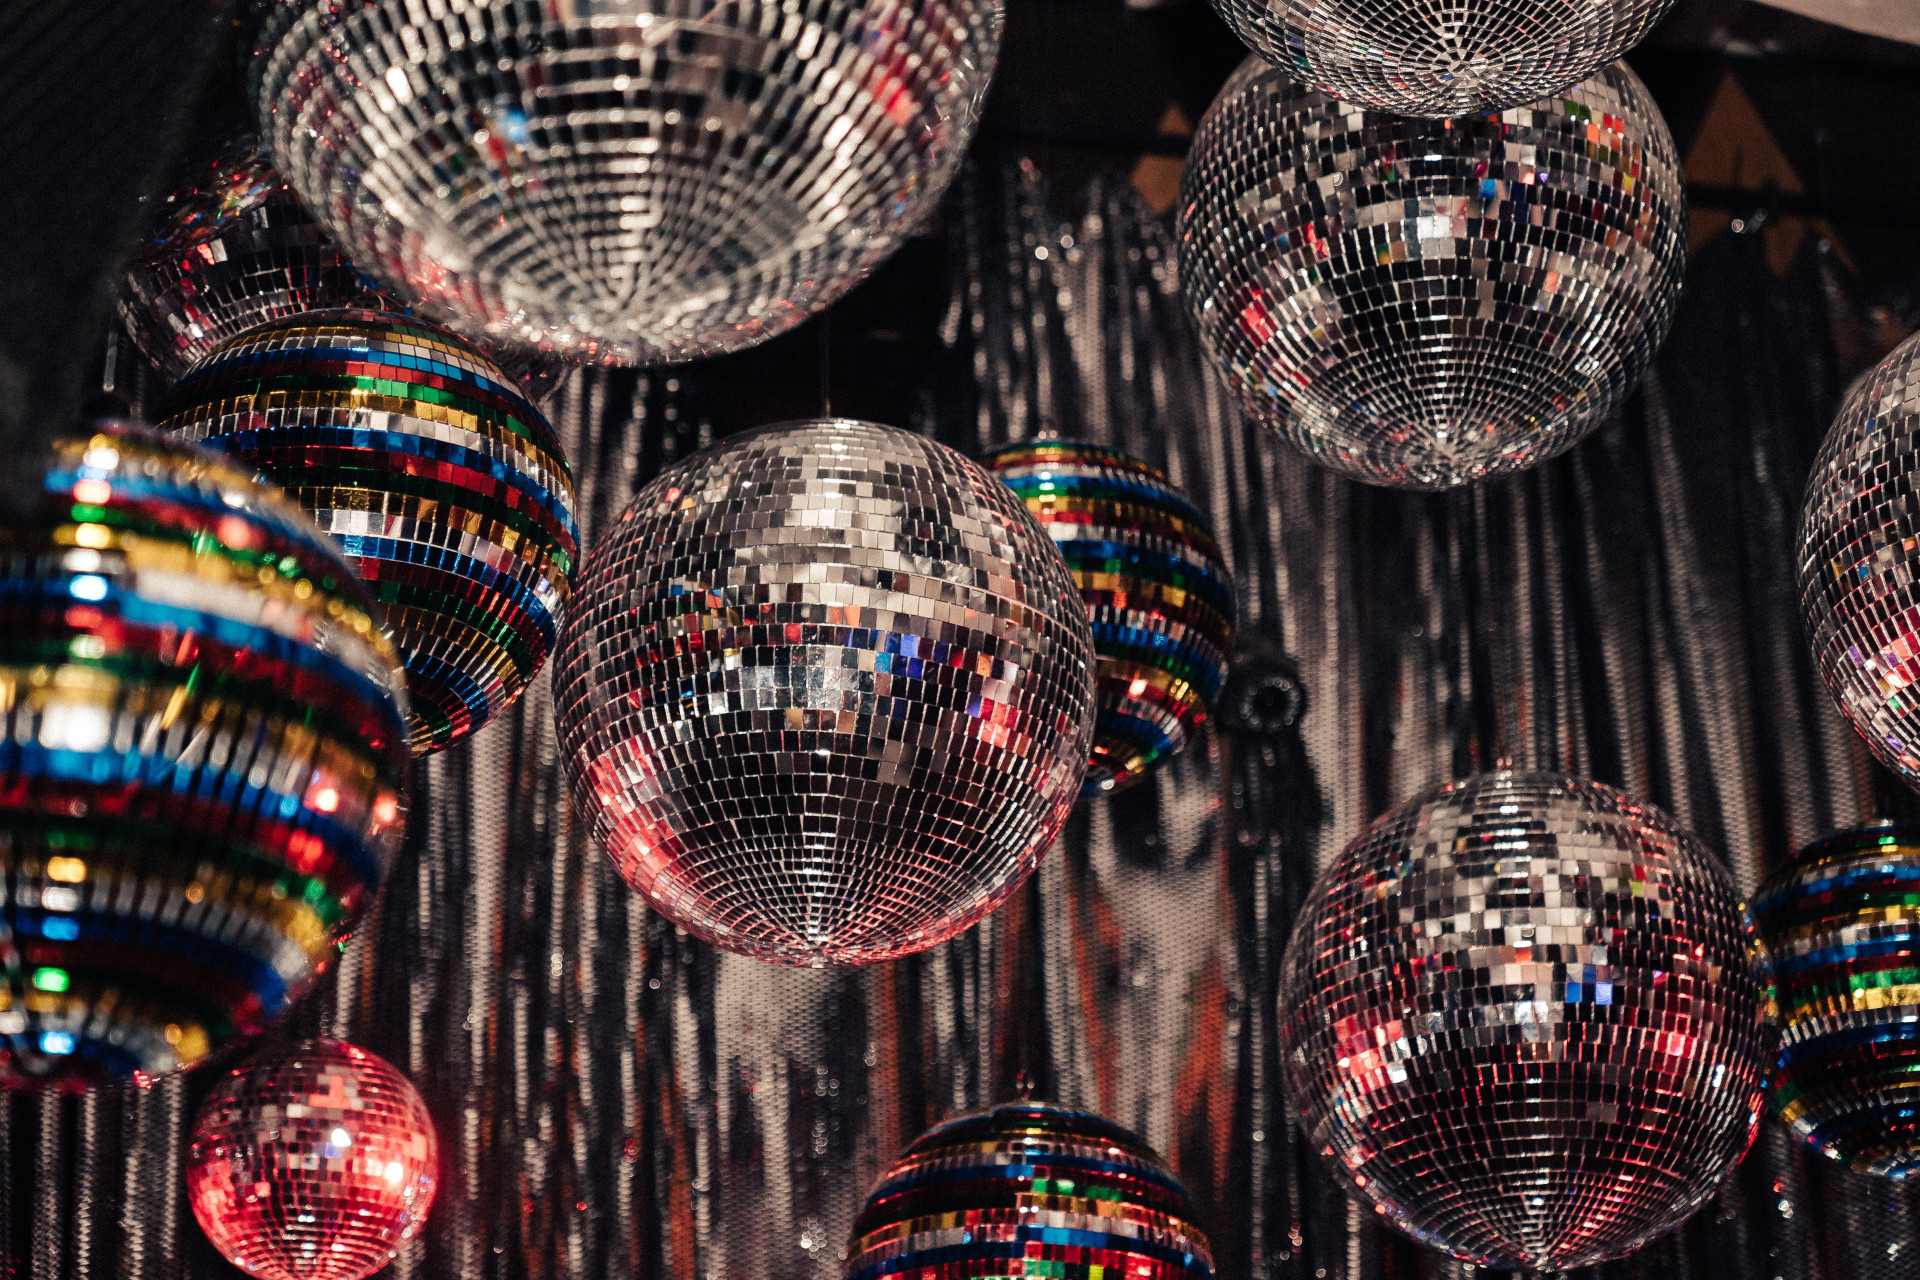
pixel 1842 923
pixel 1028 1189
pixel 203 760
pixel 445 487
pixel 1158 593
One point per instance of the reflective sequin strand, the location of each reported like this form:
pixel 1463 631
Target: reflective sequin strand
pixel 443 484
pixel 627 182
pixel 202 764
pixel 1441 58
pixel 828 694
pixel 1859 544
pixel 1424 303
pixel 314 1163
pixel 1842 924
pixel 1028 1189
pixel 1158 595
pixel 1523 1014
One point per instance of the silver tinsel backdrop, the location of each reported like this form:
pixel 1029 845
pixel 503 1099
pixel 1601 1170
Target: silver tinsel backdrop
pixel 614 1099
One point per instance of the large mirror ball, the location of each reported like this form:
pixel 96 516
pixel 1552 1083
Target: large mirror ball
pixel 623 181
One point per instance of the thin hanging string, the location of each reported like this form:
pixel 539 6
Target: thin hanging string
pixel 826 363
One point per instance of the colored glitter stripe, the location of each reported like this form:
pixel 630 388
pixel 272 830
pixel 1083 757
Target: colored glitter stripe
pixel 1022 1172
pixel 317 481
pixel 235 392
pixel 109 767
pixel 399 573
pixel 285 365
pixel 1121 1247
pixel 360 448
pixel 252 655
pixel 163 510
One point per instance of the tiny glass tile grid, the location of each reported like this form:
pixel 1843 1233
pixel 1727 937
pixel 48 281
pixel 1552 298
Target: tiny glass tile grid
pixel 1842 925
pixel 1028 1189
pixel 1423 303
pixel 444 485
pixel 235 248
pixel 1524 1016
pixel 629 181
pixel 1441 58
pixel 1859 551
pixel 1158 595
pixel 828 693
pixel 202 765
pixel 315 1163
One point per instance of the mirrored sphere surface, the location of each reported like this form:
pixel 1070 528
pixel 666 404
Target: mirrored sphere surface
pixel 203 764
pixel 1858 530
pixel 1028 1189
pixel 1441 58
pixel 1524 1017
pixel 446 488
pixel 827 693
pixel 1424 303
pixel 624 181
pixel 312 1163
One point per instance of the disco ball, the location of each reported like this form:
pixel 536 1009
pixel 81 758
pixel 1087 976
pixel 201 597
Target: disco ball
pixel 1459 59
pixel 1858 534
pixel 827 693
pixel 1028 1189
pixel 236 248
pixel 446 488
pixel 1157 592
pixel 1424 303
pixel 628 181
pixel 204 755
pixel 314 1163
pixel 1524 1018
pixel 1842 922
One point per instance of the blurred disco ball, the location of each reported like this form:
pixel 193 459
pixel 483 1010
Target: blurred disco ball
pixel 624 181
pixel 445 487
pixel 827 693
pixel 1157 590
pixel 1426 60
pixel 1858 532
pixel 1425 303
pixel 1524 1016
pixel 314 1163
pixel 204 757
pixel 1842 923
pixel 235 249
pixel 1031 1189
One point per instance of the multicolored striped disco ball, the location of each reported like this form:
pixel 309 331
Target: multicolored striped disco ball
pixel 1028 1189
pixel 1158 595
pixel 203 760
pixel 445 487
pixel 1842 923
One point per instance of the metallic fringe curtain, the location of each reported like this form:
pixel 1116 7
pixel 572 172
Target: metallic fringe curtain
pixel 616 1100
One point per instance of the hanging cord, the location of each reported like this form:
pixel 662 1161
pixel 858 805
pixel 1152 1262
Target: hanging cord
pixel 826 363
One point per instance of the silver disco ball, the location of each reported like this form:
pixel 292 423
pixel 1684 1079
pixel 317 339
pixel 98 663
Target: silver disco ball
pixel 826 695
pixel 1441 60
pixel 1858 532
pixel 234 249
pixel 1424 303
pixel 1523 1017
pixel 624 181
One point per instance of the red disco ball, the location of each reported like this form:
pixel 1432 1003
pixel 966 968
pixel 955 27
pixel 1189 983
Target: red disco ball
pixel 315 1163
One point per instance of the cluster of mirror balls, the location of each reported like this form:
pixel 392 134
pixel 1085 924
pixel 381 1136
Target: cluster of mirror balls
pixel 853 638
